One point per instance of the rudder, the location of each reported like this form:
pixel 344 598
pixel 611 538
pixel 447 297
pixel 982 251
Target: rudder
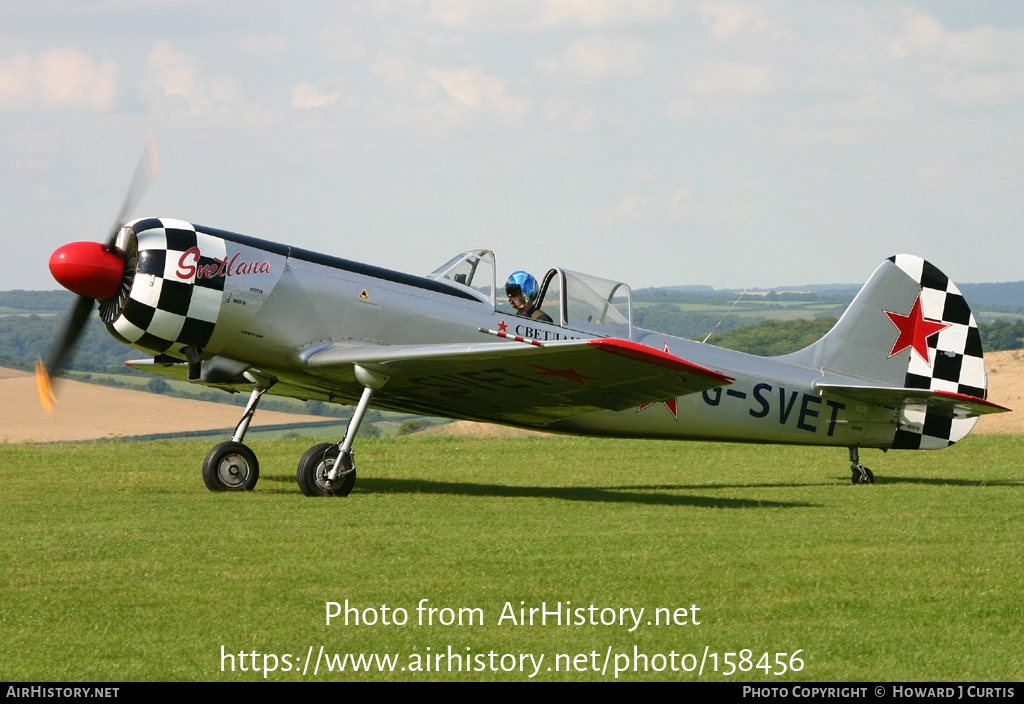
pixel 909 327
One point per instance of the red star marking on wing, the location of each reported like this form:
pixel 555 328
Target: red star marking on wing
pixel 915 330
pixel 670 404
pixel 570 374
pixel 503 326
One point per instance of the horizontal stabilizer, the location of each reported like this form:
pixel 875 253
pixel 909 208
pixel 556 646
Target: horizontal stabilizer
pixel 943 403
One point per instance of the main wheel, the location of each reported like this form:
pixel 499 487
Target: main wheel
pixel 231 466
pixel 866 478
pixel 317 463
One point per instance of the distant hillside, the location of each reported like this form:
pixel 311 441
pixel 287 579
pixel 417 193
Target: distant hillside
pixel 29 320
pixel 24 337
pixel 770 338
pixel 999 294
pixel 35 301
pixel 693 311
pixel 827 289
pixel 1006 294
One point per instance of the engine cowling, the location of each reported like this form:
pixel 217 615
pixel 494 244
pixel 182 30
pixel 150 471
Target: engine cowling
pixel 163 311
pixel 180 283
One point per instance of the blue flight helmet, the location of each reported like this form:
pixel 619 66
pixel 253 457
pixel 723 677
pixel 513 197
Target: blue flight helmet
pixel 522 282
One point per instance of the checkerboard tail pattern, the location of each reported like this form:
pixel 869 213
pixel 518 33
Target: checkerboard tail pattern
pixel 954 362
pixel 165 312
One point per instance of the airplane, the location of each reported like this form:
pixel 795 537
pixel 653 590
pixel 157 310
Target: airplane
pixel 903 367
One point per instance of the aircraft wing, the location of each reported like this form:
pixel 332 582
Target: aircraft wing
pixel 522 384
pixel 945 403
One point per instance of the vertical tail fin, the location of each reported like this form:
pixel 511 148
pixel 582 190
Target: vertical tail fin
pixel 908 328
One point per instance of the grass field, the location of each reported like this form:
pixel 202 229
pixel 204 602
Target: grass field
pixel 119 565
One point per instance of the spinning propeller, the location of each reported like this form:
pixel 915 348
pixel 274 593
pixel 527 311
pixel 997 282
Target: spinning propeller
pixel 96 272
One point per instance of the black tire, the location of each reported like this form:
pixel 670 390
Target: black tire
pixel 867 477
pixel 314 467
pixel 231 466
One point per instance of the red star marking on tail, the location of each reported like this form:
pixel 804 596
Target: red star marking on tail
pixel 503 326
pixel 915 330
pixel 670 404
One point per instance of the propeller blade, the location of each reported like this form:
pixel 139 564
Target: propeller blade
pixel 89 272
pixel 47 398
pixel 144 173
pixel 75 323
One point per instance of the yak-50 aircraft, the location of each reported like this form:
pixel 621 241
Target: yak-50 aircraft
pixel 902 368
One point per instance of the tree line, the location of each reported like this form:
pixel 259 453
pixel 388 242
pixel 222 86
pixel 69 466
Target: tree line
pixel 24 338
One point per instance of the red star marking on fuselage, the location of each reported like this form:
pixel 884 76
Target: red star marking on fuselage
pixel 915 330
pixel 571 374
pixel 670 404
pixel 503 326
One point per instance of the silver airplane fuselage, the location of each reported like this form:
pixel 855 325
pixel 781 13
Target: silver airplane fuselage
pixel 903 368
pixel 280 305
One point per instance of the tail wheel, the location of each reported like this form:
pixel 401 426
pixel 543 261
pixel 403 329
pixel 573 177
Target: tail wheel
pixel 231 466
pixel 316 465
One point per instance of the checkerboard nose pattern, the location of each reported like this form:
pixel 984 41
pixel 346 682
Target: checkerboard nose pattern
pixel 179 282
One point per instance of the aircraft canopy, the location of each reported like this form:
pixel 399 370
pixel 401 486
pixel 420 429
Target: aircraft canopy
pixel 574 301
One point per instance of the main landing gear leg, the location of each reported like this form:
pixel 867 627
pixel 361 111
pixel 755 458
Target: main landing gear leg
pixel 328 469
pixel 861 474
pixel 232 466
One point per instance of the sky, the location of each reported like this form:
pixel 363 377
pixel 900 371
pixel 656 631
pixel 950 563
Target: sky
pixel 726 143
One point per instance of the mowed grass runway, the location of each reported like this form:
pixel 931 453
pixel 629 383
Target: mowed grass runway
pixel 118 564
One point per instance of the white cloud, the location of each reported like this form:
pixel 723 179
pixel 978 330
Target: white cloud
pixel 341 42
pixel 923 32
pixel 726 78
pixel 637 207
pixel 679 203
pixel 602 13
pixel 491 15
pixel 576 117
pixel 588 60
pixel 269 44
pixel 58 79
pixel 175 82
pixel 864 72
pixel 16 82
pixel 979 46
pixel 639 175
pixel 966 88
pixel 69 78
pixel 309 95
pixel 629 208
pixel 982 66
pixel 475 91
pixel 725 19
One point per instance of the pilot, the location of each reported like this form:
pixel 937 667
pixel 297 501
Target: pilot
pixel 522 291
